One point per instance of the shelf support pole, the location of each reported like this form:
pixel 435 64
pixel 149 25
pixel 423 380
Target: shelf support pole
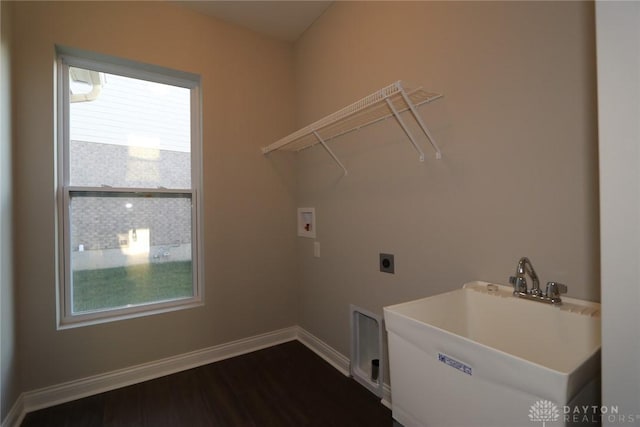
pixel 326 147
pixel 405 128
pixel 412 107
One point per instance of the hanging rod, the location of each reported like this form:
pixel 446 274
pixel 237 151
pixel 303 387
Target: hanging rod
pixel 389 101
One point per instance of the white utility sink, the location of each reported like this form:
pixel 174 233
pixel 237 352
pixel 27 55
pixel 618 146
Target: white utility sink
pixel 478 356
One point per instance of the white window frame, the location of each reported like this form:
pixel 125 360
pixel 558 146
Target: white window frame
pixel 66 58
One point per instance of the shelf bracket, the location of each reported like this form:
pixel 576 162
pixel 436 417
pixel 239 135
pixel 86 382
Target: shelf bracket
pixel 326 147
pixel 405 128
pixel 412 107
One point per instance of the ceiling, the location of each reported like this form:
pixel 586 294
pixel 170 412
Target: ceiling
pixel 283 20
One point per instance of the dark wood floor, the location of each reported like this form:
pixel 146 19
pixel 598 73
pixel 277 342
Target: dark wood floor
pixel 285 385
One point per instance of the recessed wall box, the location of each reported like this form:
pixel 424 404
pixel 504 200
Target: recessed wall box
pixel 387 263
pixel 307 222
pixel 367 357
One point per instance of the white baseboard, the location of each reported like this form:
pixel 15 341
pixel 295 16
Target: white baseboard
pixel 16 414
pixel 54 395
pixel 322 349
pixel 386 395
pixel 336 359
pixel 61 393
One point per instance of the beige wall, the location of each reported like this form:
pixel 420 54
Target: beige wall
pixel 248 199
pixel 517 129
pixel 8 341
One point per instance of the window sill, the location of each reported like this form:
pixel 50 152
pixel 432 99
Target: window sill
pixel 114 315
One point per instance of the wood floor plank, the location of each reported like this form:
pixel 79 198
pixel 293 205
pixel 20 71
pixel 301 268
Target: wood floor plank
pixel 284 385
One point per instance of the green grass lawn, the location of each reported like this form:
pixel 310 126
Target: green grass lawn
pixel 131 285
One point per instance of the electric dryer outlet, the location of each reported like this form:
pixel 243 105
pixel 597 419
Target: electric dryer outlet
pixel 387 263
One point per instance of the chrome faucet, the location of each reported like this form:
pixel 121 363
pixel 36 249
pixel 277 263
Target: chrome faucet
pixel 521 290
pixel 520 281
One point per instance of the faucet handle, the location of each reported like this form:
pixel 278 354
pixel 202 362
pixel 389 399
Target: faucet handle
pixel 519 284
pixel 554 289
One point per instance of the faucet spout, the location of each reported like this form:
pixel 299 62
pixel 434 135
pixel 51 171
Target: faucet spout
pixel 526 268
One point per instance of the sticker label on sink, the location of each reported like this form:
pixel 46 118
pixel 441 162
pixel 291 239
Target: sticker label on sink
pixel 454 363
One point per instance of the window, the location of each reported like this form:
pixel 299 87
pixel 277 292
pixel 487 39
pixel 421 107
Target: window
pixel 128 189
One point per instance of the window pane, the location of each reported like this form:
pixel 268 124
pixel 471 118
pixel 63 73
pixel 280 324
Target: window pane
pixel 129 251
pixel 127 132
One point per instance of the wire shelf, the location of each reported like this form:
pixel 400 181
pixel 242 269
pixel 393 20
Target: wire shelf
pixel 380 105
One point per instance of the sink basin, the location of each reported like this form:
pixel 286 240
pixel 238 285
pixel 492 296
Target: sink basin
pixel 480 356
